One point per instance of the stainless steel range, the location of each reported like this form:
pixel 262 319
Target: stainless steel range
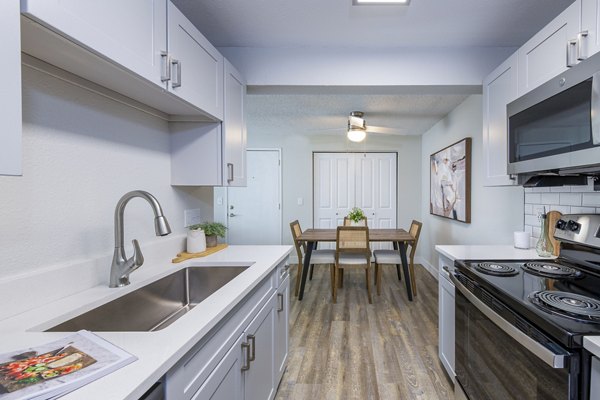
pixel 520 324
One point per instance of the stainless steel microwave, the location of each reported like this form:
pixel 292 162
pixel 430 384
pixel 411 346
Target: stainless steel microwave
pixel 556 126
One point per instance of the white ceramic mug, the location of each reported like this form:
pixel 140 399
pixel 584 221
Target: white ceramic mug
pixel 521 240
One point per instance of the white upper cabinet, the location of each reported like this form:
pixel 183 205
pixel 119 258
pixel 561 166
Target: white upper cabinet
pixel 589 37
pixel 499 89
pixel 196 65
pixel 10 69
pixel 130 33
pixel 143 49
pixel 234 128
pixel 551 51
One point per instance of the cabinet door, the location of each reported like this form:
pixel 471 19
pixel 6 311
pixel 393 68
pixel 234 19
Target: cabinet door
pixel 259 380
pixel 545 55
pixel 10 69
pixel 130 33
pixel 225 382
pixel 196 65
pixel 234 128
pixel 499 89
pixel 282 329
pixel 589 39
pixel 446 325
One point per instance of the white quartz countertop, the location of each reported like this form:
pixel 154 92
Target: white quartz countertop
pixel 156 351
pixel 486 252
pixel 592 344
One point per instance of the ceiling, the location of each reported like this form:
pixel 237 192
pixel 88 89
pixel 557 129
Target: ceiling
pixel 337 23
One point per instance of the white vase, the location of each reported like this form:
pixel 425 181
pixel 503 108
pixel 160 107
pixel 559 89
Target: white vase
pixel 359 223
pixel 196 241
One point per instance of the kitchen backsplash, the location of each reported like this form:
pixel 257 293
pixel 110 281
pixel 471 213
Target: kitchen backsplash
pixel 566 199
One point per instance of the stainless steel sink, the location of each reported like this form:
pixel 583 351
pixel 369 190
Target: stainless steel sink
pixel 154 306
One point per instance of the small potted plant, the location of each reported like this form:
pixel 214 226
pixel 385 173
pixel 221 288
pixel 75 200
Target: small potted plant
pixel 212 230
pixel 356 215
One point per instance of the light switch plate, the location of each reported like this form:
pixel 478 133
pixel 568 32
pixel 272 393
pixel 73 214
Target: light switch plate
pixel 300 201
pixel 191 217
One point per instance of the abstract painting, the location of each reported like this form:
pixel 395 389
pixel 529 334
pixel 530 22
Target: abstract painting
pixel 450 182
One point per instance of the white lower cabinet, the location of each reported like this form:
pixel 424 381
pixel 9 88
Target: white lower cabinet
pixel 446 317
pixel 242 357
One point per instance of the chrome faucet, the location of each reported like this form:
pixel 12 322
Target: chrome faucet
pixel 122 267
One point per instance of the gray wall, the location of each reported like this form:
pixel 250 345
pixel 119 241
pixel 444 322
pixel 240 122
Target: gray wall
pixel 81 153
pixel 496 212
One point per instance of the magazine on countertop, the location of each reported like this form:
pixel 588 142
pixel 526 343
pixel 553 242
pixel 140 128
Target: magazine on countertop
pixel 54 369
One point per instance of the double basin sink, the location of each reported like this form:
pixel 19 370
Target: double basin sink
pixel 156 305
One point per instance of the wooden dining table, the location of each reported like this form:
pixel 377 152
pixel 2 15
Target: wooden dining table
pixel 398 237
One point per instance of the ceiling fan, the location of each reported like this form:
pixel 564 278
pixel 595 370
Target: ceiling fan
pixel 357 128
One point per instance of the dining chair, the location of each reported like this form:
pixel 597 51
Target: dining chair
pixel 393 257
pixel 352 251
pixel 316 256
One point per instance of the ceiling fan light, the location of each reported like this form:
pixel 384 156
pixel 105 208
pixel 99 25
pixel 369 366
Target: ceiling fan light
pixel 357 135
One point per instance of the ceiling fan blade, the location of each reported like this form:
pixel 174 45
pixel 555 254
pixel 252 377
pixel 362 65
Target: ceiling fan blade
pixel 386 131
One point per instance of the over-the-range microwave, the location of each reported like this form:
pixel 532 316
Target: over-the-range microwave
pixel 556 126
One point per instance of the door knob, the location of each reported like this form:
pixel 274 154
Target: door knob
pixel 232 214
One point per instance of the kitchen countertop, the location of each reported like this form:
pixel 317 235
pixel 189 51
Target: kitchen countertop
pixel 487 252
pixel 156 351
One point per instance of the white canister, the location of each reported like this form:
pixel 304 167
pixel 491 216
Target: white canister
pixel 196 241
pixel 521 240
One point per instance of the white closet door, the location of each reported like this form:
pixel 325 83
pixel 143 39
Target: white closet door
pixel 334 182
pixel 346 180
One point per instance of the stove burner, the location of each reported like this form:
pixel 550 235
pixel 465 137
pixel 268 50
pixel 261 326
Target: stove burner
pixel 495 269
pixel 550 270
pixel 566 304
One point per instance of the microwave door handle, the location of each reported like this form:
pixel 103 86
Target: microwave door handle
pixel 595 118
pixel 547 356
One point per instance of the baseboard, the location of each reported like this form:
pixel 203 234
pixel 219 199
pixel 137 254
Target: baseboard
pixel 430 268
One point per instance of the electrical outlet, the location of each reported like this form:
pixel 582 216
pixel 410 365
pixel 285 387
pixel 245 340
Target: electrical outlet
pixel 300 201
pixel 191 217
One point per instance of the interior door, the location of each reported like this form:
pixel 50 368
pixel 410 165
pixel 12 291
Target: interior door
pixel 254 211
pixel 334 188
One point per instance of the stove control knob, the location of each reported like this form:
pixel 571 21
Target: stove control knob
pixel 561 224
pixel 573 226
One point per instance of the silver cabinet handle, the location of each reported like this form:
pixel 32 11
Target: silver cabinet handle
pixel 165 67
pixel 280 298
pixel 581 37
pixel 176 66
pixel 571 44
pixel 252 340
pixel 544 354
pixel 246 347
pixel 229 172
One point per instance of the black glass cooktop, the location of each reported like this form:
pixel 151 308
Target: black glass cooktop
pixel 566 306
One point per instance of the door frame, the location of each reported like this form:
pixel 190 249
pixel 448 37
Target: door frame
pixel 279 192
pixel 349 152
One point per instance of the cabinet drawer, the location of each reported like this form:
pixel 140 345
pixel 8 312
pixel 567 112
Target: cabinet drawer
pixel 283 270
pixel 184 379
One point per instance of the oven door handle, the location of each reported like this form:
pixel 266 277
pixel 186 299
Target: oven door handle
pixel 547 356
pixel 595 122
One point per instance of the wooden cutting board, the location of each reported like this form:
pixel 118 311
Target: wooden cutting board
pixel 186 256
pixel 551 219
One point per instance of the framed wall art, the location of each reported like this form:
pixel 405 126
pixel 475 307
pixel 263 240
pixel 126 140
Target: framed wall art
pixel 450 182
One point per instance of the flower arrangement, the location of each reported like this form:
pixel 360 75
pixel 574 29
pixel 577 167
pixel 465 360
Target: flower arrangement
pixel 356 215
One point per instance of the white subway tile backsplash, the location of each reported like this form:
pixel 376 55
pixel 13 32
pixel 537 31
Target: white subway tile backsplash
pixel 536 232
pixel 528 228
pixel 528 209
pixel 532 220
pixel 533 198
pixel 591 199
pixel 561 209
pixel 541 189
pixel 561 189
pixel 570 199
pixel 583 210
pixel 551 198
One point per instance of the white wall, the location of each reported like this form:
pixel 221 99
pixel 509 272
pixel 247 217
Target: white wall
pixel 82 152
pixel 496 212
pixel 365 66
pixel 296 156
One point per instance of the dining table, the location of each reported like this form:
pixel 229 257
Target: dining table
pixel 398 237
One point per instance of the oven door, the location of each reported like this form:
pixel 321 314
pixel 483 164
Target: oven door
pixel 497 360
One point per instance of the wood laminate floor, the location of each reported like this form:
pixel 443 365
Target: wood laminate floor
pixel 356 350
